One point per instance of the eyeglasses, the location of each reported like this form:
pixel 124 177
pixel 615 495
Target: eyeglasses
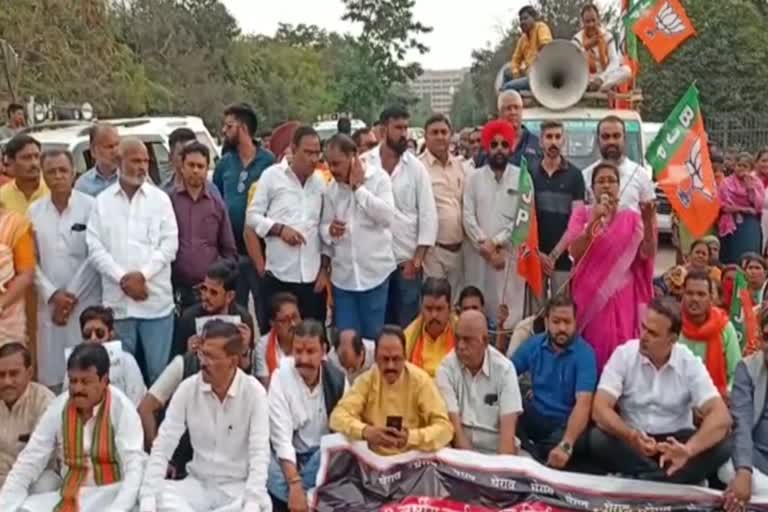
pixel 241 182
pixel 504 144
pixel 98 332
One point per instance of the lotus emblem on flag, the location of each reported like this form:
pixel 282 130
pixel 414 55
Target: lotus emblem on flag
pixel 668 22
pixel 695 182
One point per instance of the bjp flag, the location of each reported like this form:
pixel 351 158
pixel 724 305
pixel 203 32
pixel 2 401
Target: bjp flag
pixel 662 25
pixel 679 156
pixel 525 234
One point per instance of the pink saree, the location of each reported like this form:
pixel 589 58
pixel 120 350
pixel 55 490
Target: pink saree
pixel 612 283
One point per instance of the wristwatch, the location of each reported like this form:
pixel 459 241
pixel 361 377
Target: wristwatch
pixel 566 447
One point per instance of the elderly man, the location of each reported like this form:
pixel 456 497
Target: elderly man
pixel 491 202
pixel 133 237
pixel 104 143
pixel 103 473
pixel 302 394
pixel 353 354
pixel 231 453
pixel 479 386
pixel 23 404
pixel 657 383
pixel 432 336
pixel 395 406
pixel 67 283
pixel 277 343
pixel 563 374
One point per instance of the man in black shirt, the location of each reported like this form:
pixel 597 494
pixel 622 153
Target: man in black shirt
pixel 559 189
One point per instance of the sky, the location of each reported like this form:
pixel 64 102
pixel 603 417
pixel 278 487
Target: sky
pixel 459 27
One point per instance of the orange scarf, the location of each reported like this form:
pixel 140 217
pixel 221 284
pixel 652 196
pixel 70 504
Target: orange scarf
pixel 417 357
pixel 602 50
pixel 104 460
pixel 272 347
pixel 711 334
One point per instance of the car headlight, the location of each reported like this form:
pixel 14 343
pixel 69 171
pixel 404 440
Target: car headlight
pixel 40 112
pixel 86 111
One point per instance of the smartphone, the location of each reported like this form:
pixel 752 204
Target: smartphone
pixel 395 422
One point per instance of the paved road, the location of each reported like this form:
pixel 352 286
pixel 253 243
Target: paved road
pixel 665 258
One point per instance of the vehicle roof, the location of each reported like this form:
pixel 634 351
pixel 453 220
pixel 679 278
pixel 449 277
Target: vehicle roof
pixel 324 125
pixel 580 113
pixel 161 123
pixel 76 132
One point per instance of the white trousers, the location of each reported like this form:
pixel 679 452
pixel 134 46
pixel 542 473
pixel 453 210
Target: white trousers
pixel 193 495
pixel 727 472
pixel 444 264
pixel 92 499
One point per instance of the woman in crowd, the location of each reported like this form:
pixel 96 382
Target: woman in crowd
pixel 614 252
pixel 761 171
pixel 742 196
pixel 754 267
pixel 17 272
pixel 700 258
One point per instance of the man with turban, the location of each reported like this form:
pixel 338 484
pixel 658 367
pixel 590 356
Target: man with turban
pixel 491 200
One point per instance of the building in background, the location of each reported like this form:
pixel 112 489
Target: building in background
pixel 439 87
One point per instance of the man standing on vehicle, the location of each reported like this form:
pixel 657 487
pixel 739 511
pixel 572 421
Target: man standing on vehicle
pixel 636 184
pixel 104 142
pixel 235 173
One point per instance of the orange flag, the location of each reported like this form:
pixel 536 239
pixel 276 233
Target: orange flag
pixel 662 25
pixel 526 234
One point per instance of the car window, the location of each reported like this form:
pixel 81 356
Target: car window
pixel 81 155
pixel 159 162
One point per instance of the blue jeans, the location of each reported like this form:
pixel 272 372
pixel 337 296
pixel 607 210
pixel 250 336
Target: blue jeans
pixel 404 299
pixel 362 311
pixel 517 84
pixel 156 336
pixel 308 465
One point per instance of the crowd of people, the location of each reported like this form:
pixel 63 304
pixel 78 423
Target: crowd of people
pixel 184 346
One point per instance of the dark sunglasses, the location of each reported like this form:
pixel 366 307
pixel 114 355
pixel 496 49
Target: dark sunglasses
pixel 99 332
pixel 504 144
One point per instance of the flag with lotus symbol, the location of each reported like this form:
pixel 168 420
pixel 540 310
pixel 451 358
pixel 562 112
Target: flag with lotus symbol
pixel 525 234
pixel 662 26
pixel 743 315
pixel 679 156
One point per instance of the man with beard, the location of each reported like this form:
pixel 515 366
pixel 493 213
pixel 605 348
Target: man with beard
pixel 104 144
pixel 132 237
pixel 277 344
pixel 23 404
pixel 414 229
pixel 94 434
pixel 559 189
pixel 563 375
pixel 303 393
pixel 205 231
pixel 395 406
pixel 227 415
pixel 491 202
pixel 234 175
pixel 480 389
pixel 708 331
pixel 636 184
pixel 432 335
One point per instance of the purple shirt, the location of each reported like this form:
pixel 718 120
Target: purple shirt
pixel 205 234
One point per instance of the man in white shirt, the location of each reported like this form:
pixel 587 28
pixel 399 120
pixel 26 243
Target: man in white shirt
pixel 414 229
pixel 358 212
pixel 491 202
pixel 657 384
pixel 353 354
pixel 227 415
pixel 92 422
pixel 302 395
pixel 635 180
pixel 133 237
pixel 285 212
pixel 604 64
pixel 66 281
pixel 277 343
pixel 480 389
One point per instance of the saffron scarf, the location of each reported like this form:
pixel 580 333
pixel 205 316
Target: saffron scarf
pixel 602 50
pixel 711 334
pixel 448 338
pixel 272 359
pixel 104 460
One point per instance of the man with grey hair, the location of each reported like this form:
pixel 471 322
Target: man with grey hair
pixel 104 142
pixel 133 237
pixel 510 106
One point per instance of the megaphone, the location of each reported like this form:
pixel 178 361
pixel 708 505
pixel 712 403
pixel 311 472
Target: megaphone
pixel 559 76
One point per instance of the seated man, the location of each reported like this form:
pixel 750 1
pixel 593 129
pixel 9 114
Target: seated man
pixel 708 331
pixel 227 415
pixel 563 375
pixel 278 342
pixel 353 355
pixel 431 336
pixel 97 325
pixel 23 404
pixel 302 393
pixel 747 473
pixel 479 386
pixel 217 297
pixel 657 383
pixel 534 36
pixel 102 473
pixel 606 69
pixel 394 406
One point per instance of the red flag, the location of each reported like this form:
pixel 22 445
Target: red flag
pixel 528 261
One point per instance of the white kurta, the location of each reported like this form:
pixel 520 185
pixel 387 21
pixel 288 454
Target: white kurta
pixel 490 208
pixel 63 264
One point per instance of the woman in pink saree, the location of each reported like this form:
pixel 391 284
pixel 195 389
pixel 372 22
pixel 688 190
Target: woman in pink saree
pixel 613 252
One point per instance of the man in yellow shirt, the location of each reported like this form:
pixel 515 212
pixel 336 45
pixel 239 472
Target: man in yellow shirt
pixel 394 406
pixel 27 185
pixel 431 336
pixel 535 35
